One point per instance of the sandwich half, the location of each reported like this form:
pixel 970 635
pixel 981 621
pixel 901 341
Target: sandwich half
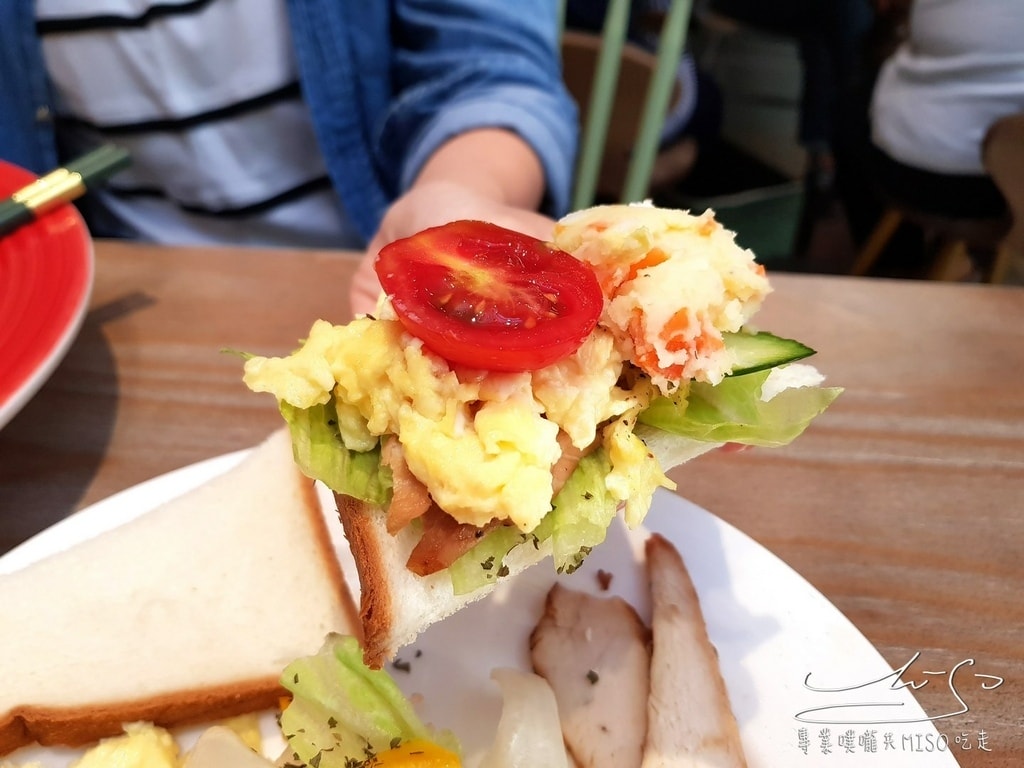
pixel 510 397
pixel 186 614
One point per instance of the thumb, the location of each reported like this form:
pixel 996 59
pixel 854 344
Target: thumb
pixel 365 289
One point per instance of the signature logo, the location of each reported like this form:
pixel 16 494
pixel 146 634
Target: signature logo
pixel 872 703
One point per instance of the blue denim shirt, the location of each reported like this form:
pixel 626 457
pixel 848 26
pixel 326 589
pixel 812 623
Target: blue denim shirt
pixel 387 83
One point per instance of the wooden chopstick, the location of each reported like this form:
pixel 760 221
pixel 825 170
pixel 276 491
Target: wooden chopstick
pixel 60 186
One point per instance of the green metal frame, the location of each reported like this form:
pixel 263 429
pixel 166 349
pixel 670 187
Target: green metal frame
pixel 671 45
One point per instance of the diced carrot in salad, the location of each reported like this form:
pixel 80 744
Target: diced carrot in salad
pixel 667 304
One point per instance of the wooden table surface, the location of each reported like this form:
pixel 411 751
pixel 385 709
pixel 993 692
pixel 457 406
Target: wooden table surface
pixel 903 504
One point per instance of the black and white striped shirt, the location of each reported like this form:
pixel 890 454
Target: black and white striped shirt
pixel 206 97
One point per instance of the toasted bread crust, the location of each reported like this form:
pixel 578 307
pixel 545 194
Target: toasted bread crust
pixel 325 550
pixel 78 726
pixel 376 605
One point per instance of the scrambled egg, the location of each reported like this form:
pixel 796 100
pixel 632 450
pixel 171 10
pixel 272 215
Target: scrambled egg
pixel 484 443
pixel 142 746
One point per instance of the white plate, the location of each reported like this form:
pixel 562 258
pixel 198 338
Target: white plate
pixel 46 276
pixel 771 628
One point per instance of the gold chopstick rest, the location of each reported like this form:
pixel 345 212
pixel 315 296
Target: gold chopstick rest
pixel 39 186
pixel 60 190
pixel 61 185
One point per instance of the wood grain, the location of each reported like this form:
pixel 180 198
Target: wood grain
pixel 903 504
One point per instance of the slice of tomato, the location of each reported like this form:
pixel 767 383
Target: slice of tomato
pixel 483 296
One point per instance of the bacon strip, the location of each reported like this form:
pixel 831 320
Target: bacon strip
pixel 444 541
pixel 410 498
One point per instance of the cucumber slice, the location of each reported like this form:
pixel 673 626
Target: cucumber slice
pixel 758 351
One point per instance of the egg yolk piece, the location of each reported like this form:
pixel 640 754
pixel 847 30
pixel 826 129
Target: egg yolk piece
pixel 417 753
pixel 142 746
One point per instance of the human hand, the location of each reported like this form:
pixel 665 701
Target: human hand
pixel 431 204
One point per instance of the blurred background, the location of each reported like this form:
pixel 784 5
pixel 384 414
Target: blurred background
pixel 769 124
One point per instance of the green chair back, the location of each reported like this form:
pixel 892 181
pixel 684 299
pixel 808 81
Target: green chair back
pixel 594 135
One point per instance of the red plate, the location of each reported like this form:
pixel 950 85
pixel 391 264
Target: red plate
pixel 46 273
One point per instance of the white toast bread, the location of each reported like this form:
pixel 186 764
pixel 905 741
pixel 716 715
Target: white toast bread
pixel 188 613
pixel 395 603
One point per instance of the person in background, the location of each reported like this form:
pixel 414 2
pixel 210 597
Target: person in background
pixel 937 82
pixel 830 37
pixel 834 39
pixel 296 123
pixel 960 68
pixel 1004 158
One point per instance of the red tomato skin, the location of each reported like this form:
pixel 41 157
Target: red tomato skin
pixel 482 296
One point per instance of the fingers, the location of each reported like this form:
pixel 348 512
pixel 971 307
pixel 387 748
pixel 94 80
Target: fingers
pixel 432 205
pixel 733 447
pixel 365 287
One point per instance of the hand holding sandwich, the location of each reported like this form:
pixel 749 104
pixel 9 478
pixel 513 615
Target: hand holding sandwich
pixel 487 175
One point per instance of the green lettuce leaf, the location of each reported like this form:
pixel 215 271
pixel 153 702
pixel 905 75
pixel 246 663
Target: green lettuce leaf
pixel 485 562
pixel 733 412
pixel 580 514
pixel 577 522
pixel 321 454
pixel 342 712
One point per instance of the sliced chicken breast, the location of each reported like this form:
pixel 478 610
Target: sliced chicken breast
pixel 594 652
pixel 690 722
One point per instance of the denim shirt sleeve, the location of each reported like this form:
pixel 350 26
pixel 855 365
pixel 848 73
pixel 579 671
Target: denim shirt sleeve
pixel 26 126
pixel 465 64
